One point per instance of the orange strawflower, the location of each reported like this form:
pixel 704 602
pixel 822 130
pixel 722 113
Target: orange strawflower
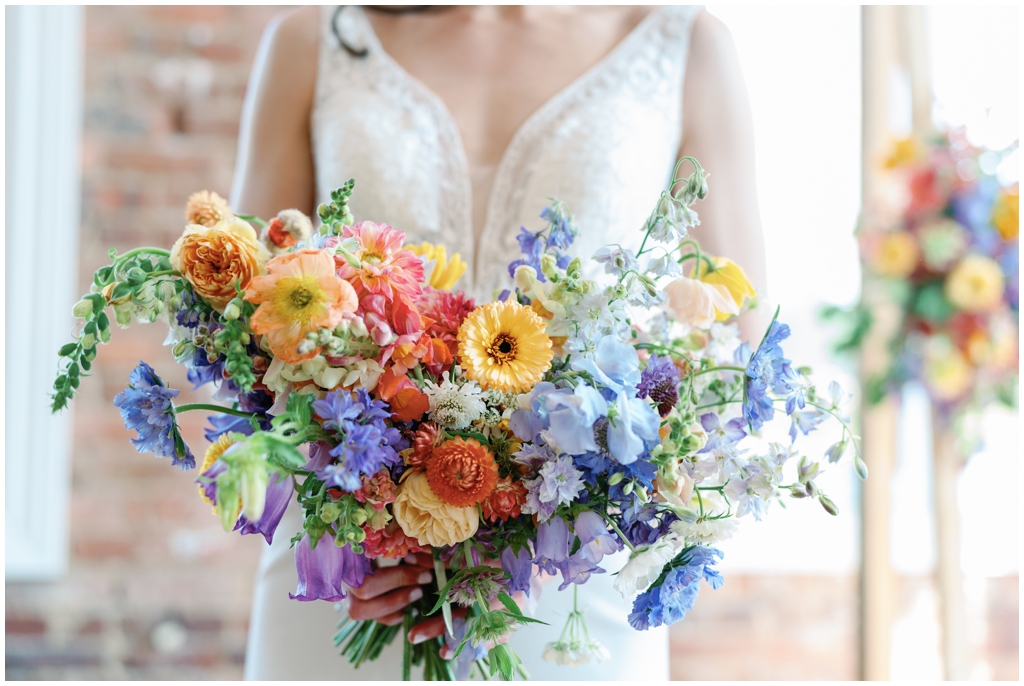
pixel 300 294
pixel 462 472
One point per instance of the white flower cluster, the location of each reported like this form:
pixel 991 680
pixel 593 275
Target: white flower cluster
pixel 455 406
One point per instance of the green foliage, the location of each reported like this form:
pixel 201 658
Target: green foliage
pixel 336 214
pixel 855 323
pixel 930 302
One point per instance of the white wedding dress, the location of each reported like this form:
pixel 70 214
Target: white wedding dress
pixel 605 145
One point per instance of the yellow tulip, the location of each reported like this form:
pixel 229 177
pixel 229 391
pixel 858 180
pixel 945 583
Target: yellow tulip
pixel 446 273
pixel 732 277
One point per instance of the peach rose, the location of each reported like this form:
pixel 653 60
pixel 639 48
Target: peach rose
pixel 214 259
pixel 425 517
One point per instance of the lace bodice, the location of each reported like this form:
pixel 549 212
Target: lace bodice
pixel 605 145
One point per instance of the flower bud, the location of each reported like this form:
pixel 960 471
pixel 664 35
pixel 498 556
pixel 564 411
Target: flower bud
pixel 829 506
pixel 628 488
pixel 862 469
pixel 575 266
pixel 232 311
pixel 615 478
pixel 358 517
pixel 88 340
pixel 525 277
pixel 82 309
pixel 549 266
pixel 358 328
pixel 105 335
pixel 306 346
pixel 330 512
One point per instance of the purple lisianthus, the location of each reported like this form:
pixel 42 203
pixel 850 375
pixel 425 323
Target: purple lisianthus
pixel 325 570
pixel 660 382
pixel 767 371
pixel 669 602
pixel 595 539
pixel 552 545
pixel 721 434
pixel 279 494
pixel 146 408
pixel 519 567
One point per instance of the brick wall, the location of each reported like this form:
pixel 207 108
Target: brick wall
pixel 155 589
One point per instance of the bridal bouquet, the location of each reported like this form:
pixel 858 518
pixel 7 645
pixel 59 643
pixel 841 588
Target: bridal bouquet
pixel 569 419
pixel 947 250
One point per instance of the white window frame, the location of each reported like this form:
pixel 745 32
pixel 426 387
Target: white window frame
pixel 43 84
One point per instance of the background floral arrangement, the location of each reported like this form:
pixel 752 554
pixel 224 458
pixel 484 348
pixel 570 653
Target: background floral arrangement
pixel 946 250
pixel 546 431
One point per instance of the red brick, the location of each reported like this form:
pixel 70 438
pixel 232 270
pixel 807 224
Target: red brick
pixel 24 626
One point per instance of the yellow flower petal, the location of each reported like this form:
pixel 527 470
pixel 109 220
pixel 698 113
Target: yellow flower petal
pixel 503 345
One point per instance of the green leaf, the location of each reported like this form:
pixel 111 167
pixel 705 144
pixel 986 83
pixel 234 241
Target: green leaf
pixel 507 601
pixel 252 218
pixel 120 290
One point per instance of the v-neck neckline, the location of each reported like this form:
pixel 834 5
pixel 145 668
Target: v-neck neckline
pixel 544 111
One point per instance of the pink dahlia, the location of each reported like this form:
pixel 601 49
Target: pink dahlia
pixel 385 267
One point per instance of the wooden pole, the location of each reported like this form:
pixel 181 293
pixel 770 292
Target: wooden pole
pixel 878 422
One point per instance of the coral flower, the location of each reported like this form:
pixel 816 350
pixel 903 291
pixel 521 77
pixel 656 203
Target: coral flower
pixel 300 294
pixel 462 472
pixel 444 273
pixel 503 346
pixel 506 500
pixel 1006 214
pixel 729 274
pixel 389 542
pixel 896 254
pixel 385 268
pixel 426 438
pixel 975 284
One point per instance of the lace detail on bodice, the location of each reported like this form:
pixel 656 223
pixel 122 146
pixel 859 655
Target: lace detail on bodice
pixel 605 145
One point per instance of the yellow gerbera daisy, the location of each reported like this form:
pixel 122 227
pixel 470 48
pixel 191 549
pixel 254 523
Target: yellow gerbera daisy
pixel 503 345
pixel 213 453
pixel 446 273
pixel 730 275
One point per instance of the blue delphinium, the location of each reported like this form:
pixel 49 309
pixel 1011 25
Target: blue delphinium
pixel 364 443
pixel 767 371
pixel 257 402
pixel 532 246
pixel 146 408
pixel 669 601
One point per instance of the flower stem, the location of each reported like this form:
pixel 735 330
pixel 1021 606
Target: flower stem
pixel 209 407
pixel 720 369
pixel 622 536
pixel 407 621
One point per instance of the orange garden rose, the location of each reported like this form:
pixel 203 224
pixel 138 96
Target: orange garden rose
pixel 206 208
pixel 213 259
pixel 427 518
pixel 300 294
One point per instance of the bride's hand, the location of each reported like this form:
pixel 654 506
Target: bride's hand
pixel 385 594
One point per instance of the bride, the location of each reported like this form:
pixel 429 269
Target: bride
pixel 457 125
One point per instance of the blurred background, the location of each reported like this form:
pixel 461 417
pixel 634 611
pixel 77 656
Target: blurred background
pixel 116 569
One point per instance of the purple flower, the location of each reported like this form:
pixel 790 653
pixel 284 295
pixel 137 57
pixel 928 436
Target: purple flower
pixel 365 443
pixel 721 434
pixel 323 570
pixel 208 479
pixel 552 545
pixel 578 570
pixel 643 525
pixel 595 540
pixel 146 408
pixel 563 229
pixel 257 402
pixel 470 654
pixel 767 371
pixel 571 417
pixel 532 246
pixel 519 567
pixel 531 417
pixel 660 382
pixel 615 366
pixel 669 602
pixel 632 430
pixel 558 482
pixel 279 494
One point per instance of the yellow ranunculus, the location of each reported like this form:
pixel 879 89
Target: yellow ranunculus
pixel 214 259
pixel 446 273
pixel 946 371
pixel 428 519
pixel 1006 214
pixel 975 284
pixel 729 274
pixel 897 255
pixel 903 151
